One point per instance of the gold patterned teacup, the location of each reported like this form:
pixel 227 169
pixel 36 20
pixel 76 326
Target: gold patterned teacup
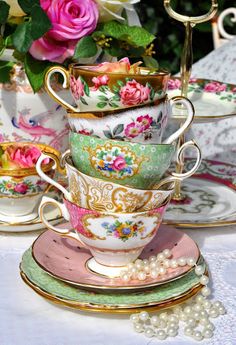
pixel 97 194
pixel 97 91
pixel 21 189
pixel 114 239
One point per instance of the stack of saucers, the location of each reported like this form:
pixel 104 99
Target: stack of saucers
pixel 117 195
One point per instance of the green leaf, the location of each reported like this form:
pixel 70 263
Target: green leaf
pixel 101 104
pixel 120 83
pixel 2 45
pixel 86 89
pixel 4 12
pixel 107 134
pixel 35 71
pixel 83 100
pixel 103 98
pixel 40 22
pixel 134 35
pixel 85 48
pixel 5 69
pixel 150 62
pixel 115 97
pixel 113 105
pixel 118 129
pixel 22 38
pixel 27 5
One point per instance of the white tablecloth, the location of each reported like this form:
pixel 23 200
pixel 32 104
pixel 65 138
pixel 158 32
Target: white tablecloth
pixel 27 319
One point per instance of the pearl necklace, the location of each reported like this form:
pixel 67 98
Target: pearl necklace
pixel 194 315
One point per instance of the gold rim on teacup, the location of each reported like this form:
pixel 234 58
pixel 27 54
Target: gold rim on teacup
pixel 19 172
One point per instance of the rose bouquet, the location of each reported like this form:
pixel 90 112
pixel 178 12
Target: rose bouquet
pixel 46 32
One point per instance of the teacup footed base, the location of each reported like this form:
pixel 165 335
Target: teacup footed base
pixel 18 219
pixel 102 270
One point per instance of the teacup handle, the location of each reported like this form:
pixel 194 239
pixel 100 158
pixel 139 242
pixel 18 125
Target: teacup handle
pixel 46 201
pixel 66 83
pixel 180 160
pixel 189 118
pixel 49 179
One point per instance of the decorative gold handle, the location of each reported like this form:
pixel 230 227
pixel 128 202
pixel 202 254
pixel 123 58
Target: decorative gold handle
pixel 66 84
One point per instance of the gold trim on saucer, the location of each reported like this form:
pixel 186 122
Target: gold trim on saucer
pixel 112 309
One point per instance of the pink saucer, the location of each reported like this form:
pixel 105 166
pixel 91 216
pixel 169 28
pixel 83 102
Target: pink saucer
pixel 66 259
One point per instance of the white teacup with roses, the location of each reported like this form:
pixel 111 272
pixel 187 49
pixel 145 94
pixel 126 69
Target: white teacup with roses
pixel 109 85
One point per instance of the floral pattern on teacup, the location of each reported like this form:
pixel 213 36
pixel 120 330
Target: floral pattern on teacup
pixel 128 93
pixel 114 161
pixel 12 188
pixel 124 230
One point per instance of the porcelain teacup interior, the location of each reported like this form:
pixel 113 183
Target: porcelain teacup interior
pixel 114 239
pixel 94 91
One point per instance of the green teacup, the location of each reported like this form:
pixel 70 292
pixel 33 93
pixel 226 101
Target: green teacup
pixel 126 163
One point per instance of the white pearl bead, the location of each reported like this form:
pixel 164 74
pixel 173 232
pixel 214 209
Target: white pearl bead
pixel 139 266
pixel 138 327
pixel 205 291
pixel 199 270
pixel 160 257
pixel 197 335
pixel 213 312
pixel 177 310
pixel 172 332
pixel 133 270
pixel 188 310
pixel 182 261
pixel 217 304
pixel 143 316
pixel 210 326
pixel 154 273
pixel 173 325
pixel 163 316
pixel 134 317
pixel 183 317
pixel 145 261
pixel 173 263
pixel 204 321
pixel 188 330
pixel 192 322
pixel 163 324
pixel 167 253
pixel 204 313
pixel 138 261
pixel 207 333
pixel 162 270
pixel 130 265
pixel 173 318
pixel 152 258
pixel 204 280
pixel 142 275
pixel 200 299
pixel 196 315
pixel 207 304
pixel 197 307
pixel 161 334
pixel 149 332
pixel 166 263
pixel 146 268
pixel 222 310
pixel 126 277
pixel 155 320
pixel 191 262
pixel 153 264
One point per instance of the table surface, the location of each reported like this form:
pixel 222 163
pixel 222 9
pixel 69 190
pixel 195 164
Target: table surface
pixel 28 319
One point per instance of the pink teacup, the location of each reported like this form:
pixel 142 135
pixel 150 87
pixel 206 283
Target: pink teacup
pixel 114 239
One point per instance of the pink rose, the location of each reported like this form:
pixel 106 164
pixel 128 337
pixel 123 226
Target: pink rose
pixel 119 163
pixel 21 188
pixel 133 130
pixel 134 93
pixel 214 86
pixel 77 87
pixel 174 84
pixel 145 121
pixel 121 66
pixel 71 20
pixel 99 81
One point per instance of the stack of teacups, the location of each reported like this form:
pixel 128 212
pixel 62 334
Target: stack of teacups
pixel 117 194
